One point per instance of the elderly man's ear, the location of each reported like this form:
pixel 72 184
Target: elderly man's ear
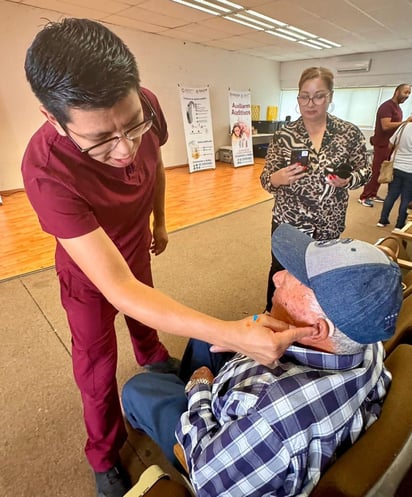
pixel 321 329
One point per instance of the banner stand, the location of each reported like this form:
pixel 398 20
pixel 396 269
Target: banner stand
pixel 197 120
pixel 240 127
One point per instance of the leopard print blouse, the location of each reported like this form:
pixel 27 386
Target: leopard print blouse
pixel 311 204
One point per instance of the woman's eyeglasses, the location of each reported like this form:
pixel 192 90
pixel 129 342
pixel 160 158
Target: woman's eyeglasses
pixel 317 99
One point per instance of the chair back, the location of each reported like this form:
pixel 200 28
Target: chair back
pixel 407 284
pixel 390 245
pixel 403 331
pixel 378 461
pixel 154 482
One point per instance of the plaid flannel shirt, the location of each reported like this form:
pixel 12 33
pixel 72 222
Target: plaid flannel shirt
pixel 261 432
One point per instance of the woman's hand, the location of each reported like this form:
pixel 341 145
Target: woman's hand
pixel 337 181
pixel 288 175
pixel 264 338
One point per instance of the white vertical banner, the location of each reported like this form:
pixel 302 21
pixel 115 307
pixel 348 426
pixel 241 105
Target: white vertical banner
pixel 197 119
pixel 240 127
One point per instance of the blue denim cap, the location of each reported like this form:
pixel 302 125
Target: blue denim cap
pixel 355 283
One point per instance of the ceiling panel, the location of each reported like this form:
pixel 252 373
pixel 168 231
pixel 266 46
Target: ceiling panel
pixel 163 20
pixel 109 6
pixel 128 22
pixel 358 25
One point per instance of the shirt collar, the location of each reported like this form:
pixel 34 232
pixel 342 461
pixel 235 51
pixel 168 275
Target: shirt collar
pixel 323 360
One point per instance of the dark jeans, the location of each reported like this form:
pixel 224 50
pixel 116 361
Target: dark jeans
pixel 274 268
pixel 401 185
pixel 154 402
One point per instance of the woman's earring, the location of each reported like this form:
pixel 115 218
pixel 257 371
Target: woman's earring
pixel 331 107
pixel 297 109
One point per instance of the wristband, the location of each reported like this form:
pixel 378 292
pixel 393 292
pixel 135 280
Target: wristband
pixel 196 381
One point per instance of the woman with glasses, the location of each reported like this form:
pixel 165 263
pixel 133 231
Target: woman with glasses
pixel 311 192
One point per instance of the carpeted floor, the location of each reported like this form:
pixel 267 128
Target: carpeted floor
pixel 219 267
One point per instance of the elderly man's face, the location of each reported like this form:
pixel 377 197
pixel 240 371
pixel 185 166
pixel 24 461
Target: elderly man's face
pixel 294 302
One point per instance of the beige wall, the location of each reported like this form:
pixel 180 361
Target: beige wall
pixel 389 68
pixel 164 64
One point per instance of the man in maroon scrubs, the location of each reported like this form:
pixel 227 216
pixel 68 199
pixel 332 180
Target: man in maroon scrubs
pixel 94 175
pixel 388 120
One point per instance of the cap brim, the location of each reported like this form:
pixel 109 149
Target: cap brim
pixel 289 247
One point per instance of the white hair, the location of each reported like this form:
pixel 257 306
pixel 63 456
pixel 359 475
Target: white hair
pixel 342 344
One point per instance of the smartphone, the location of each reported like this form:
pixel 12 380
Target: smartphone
pixel 300 155
pixel 343 171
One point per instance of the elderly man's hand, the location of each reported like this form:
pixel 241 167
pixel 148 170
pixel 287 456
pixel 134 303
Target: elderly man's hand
pixel 256 338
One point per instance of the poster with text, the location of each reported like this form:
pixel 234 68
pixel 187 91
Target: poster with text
pixel 197 119
pixel 240 127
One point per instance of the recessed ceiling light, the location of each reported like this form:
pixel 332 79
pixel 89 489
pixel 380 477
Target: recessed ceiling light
pixel 291 33
pixel 276 33
pixel 239 21
pixel 198 7
pixel 304 33
pixel 214 6
pixel 266 18
pixel 330 42
pixel 255 20
pixel 309 45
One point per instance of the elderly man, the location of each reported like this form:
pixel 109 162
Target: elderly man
pixel 269 431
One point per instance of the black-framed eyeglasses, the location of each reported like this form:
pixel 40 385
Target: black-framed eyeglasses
pixel 111 143
pixel 318 99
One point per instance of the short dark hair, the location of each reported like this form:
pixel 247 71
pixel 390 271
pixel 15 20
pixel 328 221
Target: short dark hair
pixel 399 87
pixel 79 63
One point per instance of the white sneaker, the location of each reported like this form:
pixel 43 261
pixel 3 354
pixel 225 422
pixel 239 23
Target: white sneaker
pixel 366 202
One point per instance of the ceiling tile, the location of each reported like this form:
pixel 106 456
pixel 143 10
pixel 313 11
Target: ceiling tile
pixel 358 25
pixel 142 15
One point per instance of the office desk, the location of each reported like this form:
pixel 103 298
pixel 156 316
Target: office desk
pixel 262 138
pixel 260 143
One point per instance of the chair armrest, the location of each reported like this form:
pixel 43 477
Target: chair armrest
pixel 180 456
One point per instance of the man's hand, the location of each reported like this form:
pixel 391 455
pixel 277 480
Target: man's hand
pixel 159 241
pixel 264 338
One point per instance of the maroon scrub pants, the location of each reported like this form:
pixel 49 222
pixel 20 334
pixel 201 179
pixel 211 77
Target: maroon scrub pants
pixel 371 189
pixel 94 355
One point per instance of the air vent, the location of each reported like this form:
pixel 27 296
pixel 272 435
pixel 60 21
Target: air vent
pixel 354 66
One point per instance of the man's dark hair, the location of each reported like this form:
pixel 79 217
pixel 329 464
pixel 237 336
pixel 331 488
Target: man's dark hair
pixel 79 63
pixel 401 86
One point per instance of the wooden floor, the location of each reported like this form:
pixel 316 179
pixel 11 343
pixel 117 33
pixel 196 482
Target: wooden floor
pixel 190 198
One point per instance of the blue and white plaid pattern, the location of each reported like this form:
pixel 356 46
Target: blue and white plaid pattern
pixel 264 432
